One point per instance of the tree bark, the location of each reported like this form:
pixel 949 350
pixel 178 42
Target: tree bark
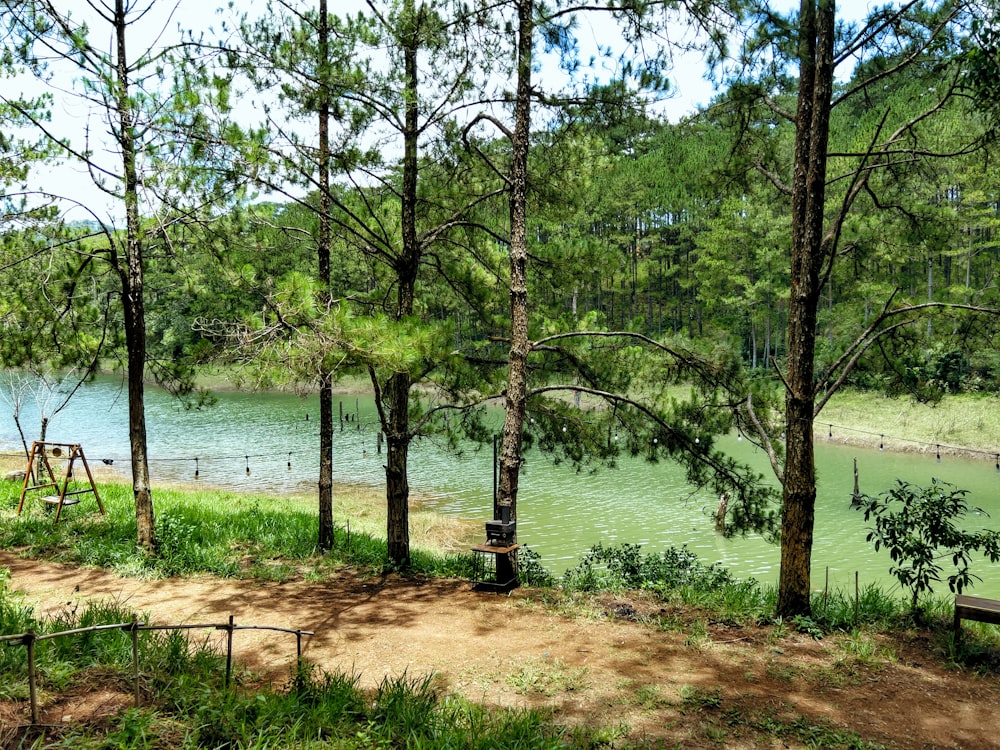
pixel 131 274
pixel 517 375
pixel 325 536
pixel 808 203
pixel 396 473
pixel 398 428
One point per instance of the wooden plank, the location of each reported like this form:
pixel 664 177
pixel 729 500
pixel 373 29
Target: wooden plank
pixel 54 500
pixel 977 608
pixel 974 608
pixel 494 550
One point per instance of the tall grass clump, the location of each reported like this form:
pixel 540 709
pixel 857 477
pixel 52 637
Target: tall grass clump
pixel 871 606
pixel 15 617
pixel 61 660
pixel 319 709
pixel 441 566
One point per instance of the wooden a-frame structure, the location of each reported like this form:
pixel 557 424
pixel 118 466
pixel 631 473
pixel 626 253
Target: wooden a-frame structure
pixel 41 451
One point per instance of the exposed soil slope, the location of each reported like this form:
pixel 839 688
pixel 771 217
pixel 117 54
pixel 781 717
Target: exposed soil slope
pixel 693 687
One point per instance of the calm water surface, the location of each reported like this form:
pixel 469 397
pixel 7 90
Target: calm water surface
pixel 561 513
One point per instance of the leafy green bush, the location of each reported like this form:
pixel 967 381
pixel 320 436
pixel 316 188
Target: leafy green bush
pixel 530 570
pixel 920 527
pixel 626 567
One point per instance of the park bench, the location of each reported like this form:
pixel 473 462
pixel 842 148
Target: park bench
pixel 975 608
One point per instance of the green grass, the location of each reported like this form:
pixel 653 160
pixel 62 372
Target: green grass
pixel 964 420
pixel 212 531
pixel 227 534
pixel 810 733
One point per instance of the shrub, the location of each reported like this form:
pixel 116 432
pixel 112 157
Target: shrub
pixel 626 567
pixel 919 526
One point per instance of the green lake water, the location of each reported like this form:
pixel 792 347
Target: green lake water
pixel 561 513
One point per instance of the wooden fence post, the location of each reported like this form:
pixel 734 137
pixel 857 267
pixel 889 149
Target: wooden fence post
pixel 826 591
pixel 29 641
pixel 857 598
pixel 229 651
pixel 134 632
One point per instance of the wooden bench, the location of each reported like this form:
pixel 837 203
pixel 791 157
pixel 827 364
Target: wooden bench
pixel 974 608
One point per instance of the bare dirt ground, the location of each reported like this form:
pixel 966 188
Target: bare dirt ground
pixel 696 686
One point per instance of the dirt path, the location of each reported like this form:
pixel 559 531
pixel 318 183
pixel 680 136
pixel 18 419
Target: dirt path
pixel 600 670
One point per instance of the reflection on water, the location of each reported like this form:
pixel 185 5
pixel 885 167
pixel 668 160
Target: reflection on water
pixel 561 513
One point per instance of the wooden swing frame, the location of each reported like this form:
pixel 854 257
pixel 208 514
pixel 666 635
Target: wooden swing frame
pixel 42 450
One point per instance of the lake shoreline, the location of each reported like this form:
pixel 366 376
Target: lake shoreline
pixel 852 418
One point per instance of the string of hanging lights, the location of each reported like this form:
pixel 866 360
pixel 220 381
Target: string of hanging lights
pixel 831 427
pixel 938 447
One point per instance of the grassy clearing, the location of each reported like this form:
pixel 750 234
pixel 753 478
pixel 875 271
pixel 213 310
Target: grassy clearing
pixel 185 704
pixel 232 535
pixel 965 421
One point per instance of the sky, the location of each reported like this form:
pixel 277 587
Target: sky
pixel 689 87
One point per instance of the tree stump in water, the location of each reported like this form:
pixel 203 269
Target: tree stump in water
pixel 720 512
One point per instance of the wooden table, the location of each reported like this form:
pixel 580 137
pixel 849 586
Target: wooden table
pixel 494 567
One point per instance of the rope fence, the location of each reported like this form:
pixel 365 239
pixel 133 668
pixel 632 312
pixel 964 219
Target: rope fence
pixel 133 628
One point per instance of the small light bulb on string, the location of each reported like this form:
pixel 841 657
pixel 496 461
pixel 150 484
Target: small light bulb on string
pixel 697 440
pixel 655 441
pixel 197 473
pixel 829 435
pixel 939 454
pixel 564 428
pixel 739 437
pixel 289 460
pixel 248 464
pixel 881 442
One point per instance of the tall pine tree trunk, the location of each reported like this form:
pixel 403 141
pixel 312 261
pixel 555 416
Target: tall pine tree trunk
pixel 325 536
pixel 398 427
pixel 808 198
pixel 517 376
pixel 396 476
pixel 130 273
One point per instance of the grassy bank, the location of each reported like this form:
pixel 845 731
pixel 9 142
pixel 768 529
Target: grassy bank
pixel 959 424
pixel 184 704
pixel 205 530
pixel 222 378
pixel 227 534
